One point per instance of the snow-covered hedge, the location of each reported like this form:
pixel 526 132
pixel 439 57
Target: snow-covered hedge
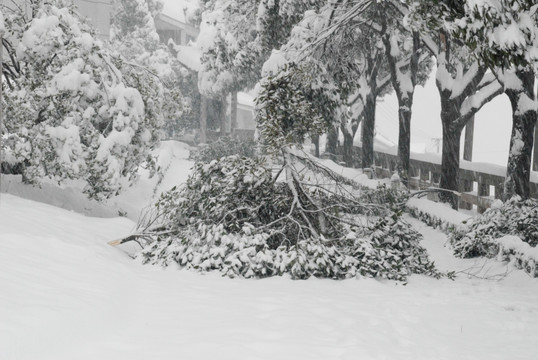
pixel 506 230
pixel 391 251
pixel 71 113
pixel 437 215
pixel 233 217
pixel 225 146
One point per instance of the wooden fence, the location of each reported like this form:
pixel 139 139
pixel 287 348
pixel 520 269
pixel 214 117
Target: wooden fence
pixel 425 174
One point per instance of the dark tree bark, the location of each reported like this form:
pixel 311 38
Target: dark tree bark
pixel 450 159
pixel 348 147
pixel 457 108
pixel 523 124
pixel 332 142
pixel 368 131
pixel 404 144
pixel 468 144
pixel 203 120
pixel 233 111
pixel 535 151
pixel 405 100
pixel 315 141
pixel 222 117
pixel 349 135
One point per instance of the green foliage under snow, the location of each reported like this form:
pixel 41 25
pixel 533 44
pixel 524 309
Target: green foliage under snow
pixel 234 217
pixel 299 101
pixel 508 231
pixel 225 146
pixel 72 112
pixel 514 217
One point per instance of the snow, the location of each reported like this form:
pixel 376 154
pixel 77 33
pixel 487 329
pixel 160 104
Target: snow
pixel 245 99
pixel 514 243
pixel 172 160
pixel 441 211
pixel 526 104
pixel 181 10
pixel 276 61
pixel 66 294
pixel 2 24
pixel 189 56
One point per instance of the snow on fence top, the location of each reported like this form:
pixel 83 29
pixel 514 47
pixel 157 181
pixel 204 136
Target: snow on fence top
pixel 425 170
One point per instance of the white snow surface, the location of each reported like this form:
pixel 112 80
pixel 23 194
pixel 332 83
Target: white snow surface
pixel 2 24
pixel 66 294
pixel 181 10
pixel 439 210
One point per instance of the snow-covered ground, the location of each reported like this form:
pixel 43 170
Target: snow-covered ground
pixel 66 294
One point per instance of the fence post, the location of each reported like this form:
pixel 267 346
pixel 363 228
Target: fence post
pixel 424 179
pixel 535 151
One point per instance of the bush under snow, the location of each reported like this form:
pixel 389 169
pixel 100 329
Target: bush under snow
pixel 233 216
pixel 507 230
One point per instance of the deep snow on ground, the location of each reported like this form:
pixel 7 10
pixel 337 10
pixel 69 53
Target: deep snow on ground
pixel 66 294
pixel 174 168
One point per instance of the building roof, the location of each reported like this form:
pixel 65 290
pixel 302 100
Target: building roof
pixel 189 56
pixel 179 9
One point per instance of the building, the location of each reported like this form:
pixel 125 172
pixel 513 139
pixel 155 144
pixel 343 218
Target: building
pixel 184 34
pixel 98 13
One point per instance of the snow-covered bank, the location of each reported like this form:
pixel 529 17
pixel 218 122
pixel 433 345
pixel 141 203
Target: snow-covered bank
pixel 172 160
pixel 66 294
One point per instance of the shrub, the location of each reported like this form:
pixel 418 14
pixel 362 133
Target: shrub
pixel 514 217
pixel 488 234
pixel 225 146
pixel 234 217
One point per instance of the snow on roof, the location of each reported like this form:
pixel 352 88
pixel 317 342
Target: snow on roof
pixel 2 25
pixel 189 56
pixel 179 9
pixel 245 99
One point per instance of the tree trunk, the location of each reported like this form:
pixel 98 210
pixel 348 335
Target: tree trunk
pixel 404 140
pixel 368 132
pixel 517 180
pixel 405 99
pixel 535 153
pixel 348 147
pixel 315 140
pixel 468 144
pixel 332 142
pixel 222 117
pixel 466 185
pixel 203 120
pixel 233 111
pixel 450 162
pixel 1 104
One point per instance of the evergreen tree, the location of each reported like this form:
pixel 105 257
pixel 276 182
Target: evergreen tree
pixel 71 114
pixel 463 83
pixel 149 65
pixel 504 36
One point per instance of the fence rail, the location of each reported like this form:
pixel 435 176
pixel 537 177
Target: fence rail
pixel 425 174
